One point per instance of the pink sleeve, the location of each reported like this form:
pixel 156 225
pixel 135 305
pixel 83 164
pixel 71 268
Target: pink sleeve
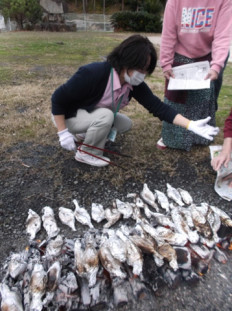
pixel 228 126
pixel 222 36
pixel 169 36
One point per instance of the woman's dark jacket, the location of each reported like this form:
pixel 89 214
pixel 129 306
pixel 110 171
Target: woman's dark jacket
pixel 86 87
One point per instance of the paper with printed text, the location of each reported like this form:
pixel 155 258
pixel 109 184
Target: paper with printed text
pixel 190 77
pixel 224 176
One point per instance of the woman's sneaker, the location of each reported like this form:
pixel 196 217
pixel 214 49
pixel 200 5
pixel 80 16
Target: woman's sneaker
pixel 83 157
pixel 160 144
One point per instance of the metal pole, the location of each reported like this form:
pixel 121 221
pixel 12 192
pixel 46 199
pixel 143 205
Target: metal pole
pixel 84 12
pixel 104 11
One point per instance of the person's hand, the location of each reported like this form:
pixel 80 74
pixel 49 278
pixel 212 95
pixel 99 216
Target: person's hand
pixel 67 140
pixel 229 179
pixel 168 74
pixel 212 75
pixel 222 159
pixel 201 128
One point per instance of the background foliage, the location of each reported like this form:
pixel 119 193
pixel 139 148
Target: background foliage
pixel 112 6
pixel 136 21
pixel 22 11
pixel 26 13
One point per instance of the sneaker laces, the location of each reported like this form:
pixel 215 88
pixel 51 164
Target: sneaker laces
pixel 104 150
pixel 98 157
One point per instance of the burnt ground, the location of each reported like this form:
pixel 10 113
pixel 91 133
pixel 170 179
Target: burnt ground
pixel 34 175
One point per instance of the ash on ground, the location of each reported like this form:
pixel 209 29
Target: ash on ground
pixel 33 181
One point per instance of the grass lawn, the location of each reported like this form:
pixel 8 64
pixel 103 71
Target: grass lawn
pixel 34 64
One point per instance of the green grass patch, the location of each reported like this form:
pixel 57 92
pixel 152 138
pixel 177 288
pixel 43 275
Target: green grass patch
pixel 26 133
pixel 225 97
pixel 6 74
pixel 54 48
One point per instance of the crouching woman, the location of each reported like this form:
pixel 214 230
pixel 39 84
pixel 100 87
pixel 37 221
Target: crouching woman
pixel 88 105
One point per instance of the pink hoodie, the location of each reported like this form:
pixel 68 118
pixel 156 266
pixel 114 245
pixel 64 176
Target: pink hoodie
pixel 196 28
pixel 228 126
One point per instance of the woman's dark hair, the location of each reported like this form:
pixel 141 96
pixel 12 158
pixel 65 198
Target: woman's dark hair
pixel 133 53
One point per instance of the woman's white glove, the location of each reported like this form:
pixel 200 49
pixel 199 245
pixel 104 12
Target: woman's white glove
pixel 201 128
pixel 67 140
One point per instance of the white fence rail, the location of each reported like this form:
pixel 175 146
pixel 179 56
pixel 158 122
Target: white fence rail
pixel 84 22
pixel 89 22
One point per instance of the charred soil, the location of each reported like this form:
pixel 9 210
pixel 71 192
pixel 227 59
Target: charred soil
pixel 36 172
pixel 36 175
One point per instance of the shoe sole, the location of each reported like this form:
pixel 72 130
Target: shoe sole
pixel 82 161
pixel 160 147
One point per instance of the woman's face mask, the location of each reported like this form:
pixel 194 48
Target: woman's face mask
pixel 135 79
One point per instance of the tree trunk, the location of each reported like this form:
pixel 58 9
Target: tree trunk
pixel 104 7
pixel 19 21
pixel 94 6
pixel 84 6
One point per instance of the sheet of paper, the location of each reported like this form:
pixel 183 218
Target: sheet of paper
pixel 190 77
pixel 224 176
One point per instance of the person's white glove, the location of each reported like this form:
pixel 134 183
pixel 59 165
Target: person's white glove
pixel 67 140
pixel 201 128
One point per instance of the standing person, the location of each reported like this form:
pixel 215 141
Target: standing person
pixel 218 82
pixel 225 155
pixel 193 31
pixel 89 102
